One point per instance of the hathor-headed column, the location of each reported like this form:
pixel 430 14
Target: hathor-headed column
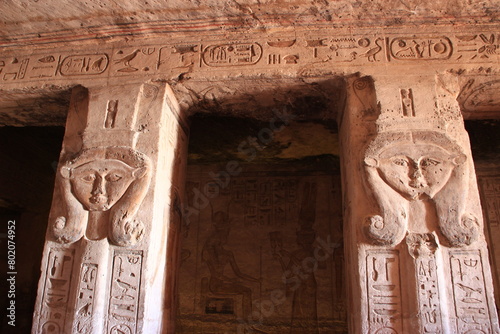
pixel 116 207
pixel 416 255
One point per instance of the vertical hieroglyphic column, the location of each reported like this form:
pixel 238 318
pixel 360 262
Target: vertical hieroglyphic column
pixel 117 187
pixel 408 174
pixel 384 291
pixel 422 247
pixel 470 293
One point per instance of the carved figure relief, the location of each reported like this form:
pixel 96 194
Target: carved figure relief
pixel 106 185
pixel 421 165
pixel 217 258
pixel 284 231
pixel 304 287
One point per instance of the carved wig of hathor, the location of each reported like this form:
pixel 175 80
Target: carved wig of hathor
pixel 401 167
pixel 109 180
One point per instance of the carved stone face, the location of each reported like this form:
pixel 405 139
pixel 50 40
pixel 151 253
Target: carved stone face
pixel 414 170
pixel 99 184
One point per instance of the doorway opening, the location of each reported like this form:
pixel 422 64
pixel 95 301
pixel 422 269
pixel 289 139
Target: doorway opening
pixel 262 248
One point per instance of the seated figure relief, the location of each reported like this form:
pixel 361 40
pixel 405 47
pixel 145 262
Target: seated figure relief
pixel 109 182
pixel 421 165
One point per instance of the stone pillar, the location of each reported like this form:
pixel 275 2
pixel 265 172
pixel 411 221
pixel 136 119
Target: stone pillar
pixel 116 204
pixel 416 255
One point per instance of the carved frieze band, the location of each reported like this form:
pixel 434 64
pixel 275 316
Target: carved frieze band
pixel 309 50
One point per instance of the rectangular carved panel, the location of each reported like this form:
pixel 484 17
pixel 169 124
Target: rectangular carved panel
pixel 85 298
pixel 384 291
pixel 124 292
pixel 262 253
pixel 469 292
pixel 56 290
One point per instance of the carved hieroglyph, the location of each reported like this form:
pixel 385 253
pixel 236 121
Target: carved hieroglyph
pixel 112 180
pixel 384 291
pixel 418 165
pixel 422 247
pixel 56 290
pixel 470 293
pixel 272 259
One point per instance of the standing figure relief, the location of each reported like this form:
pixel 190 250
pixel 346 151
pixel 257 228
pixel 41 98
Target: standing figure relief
pixel 421 165
pixel 107 184
pixel 225 274
pixel 303 284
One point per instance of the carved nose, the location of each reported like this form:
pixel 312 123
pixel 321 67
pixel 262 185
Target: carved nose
pixel 416 177
pixel 98 187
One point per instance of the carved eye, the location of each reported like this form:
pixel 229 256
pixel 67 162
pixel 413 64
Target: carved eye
pixel 400 162
pixel 89 178
pixel 113 177
pixel 429 162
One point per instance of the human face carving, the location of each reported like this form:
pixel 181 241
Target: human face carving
pixel 99 184
pixel 415 170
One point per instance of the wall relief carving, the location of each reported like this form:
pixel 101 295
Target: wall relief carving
pixel 264 255
pixel 218 257
pixel 105 183
pixel 421 165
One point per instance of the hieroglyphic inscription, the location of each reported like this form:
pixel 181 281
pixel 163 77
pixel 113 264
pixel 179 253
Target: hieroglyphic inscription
pixel 407 102
pixel 266 201
pixel 14 69
pixel 477 46
pixel 469 292
pixel 422 248
pixel 55 291
pixel 129 61
pixel 111 111
pixel 421 48
pixel 85 298
pixel 84 64
pixel 124 292
pixel 232 54
pixel 313 49
pixel 44 67
pixel 384 291
pixel 346 49
pixel 182 55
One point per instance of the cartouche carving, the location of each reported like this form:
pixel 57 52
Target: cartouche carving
pixel 103 179
pixel 421 165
